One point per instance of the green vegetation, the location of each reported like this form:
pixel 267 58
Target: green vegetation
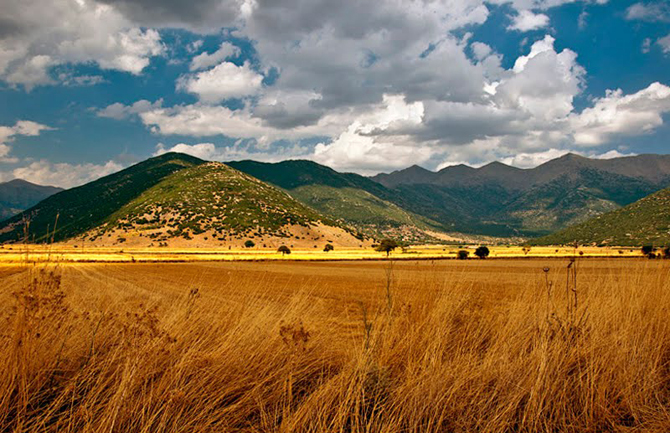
pixel 249 244
pixel 386 246
pixel 213 198
pixel 482 252
pixel 328 247
pixel 462 254
pixel 645 222
pixel 284 250
pixel 355 200
pixel 83 208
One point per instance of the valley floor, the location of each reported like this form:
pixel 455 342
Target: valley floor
pixel 16 253
pixel 540 345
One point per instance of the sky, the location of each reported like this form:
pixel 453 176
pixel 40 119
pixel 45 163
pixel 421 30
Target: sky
pixel 90 87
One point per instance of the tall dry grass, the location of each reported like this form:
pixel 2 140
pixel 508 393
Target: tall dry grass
pixel 557 355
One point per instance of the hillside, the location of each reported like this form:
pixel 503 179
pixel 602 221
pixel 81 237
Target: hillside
pixel 645 222
pixel 77 210
pixel 356 200
pixel 18 195
pixel 215 205
pixel 501 200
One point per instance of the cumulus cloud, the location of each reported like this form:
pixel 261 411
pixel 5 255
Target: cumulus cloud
pixel 526 20
pixel 120 111
pixel 664 43
pixel 206 60
pixel 544 82
pixel 617 114
pixel 363 149
pixel 529 160
pixel 9 133
pixel 528 112
pixel 38 35
pixel 235 152
pixel 65 175
pixel 649 11
pixel 224 81
pixel 382 84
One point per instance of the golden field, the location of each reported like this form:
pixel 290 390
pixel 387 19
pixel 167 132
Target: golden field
pixel 545 345
pixel 20 253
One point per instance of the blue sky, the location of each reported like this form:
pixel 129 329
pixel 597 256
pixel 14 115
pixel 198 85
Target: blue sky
pixel 89 87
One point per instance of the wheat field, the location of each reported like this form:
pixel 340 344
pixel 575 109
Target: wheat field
pixel 545 345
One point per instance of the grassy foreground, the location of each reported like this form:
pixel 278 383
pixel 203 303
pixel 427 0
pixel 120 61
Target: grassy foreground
pixel 451 346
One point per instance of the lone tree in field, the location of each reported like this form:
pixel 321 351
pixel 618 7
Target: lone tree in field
pixel 284 250
pixel 249 244
pixel 386 246
pixel 328 247
pixel 482 252
pixel 648 250
pixel 463 255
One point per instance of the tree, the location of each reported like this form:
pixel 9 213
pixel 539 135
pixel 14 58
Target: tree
pixel 284 250
pixel 463 255
pixel 482 252
pixel 648 250
pixel 666 253
pixel 249 244
pixel 328 247
pixel 386 246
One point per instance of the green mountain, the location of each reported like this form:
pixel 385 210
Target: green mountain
pixel 350 198
pixel 645 222
pixel 500 200
pixel 18 195
pixel 77 210
pixel 179 197
pixel 214 202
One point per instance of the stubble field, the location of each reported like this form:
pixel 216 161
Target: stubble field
pixel 545 345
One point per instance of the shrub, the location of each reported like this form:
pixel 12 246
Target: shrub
pixel 648 250
pixel 482 252
pixel 328 247
pixel 463 255
pixel 284 250
pixel 249 244
pixel 386 246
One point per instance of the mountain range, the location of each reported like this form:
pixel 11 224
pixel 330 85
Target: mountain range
pixel 532 202
pixel 178 199
pixel 18 195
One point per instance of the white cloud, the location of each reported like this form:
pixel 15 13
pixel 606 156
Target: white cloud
pixel 40 34
pixel 528 160
pixel 65 175
pixel 119 111
pixel 359 149
pixel 8 133
pixel 224 81
pixel 664 43
pixel 544 82
pixel 206 60
pixel 650 11
pixel 611 154
pixel 206 151
pixel 622 115
pixel 526 20
pixel 235 152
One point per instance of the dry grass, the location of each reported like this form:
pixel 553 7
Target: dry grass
pixel 480 346
pixel 21 253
